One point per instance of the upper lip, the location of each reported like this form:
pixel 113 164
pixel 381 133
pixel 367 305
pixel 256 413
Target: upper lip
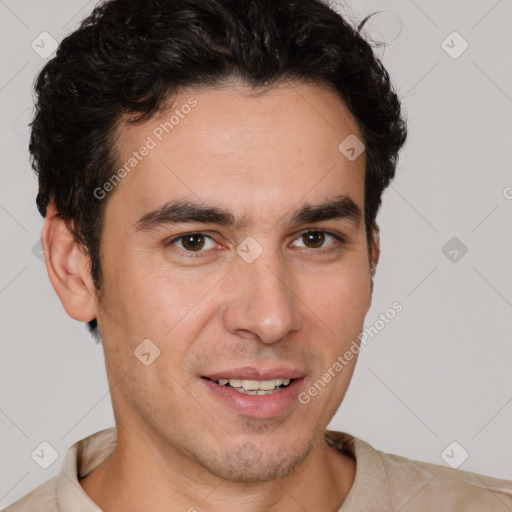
pixel 251 373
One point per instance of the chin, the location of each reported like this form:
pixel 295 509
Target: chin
pixel 247 464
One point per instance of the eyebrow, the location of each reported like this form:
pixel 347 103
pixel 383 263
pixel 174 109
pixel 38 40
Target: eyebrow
pixel 185 211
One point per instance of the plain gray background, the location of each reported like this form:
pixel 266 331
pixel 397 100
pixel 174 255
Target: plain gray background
pixel 439 372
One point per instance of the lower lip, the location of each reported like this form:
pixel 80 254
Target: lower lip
pixel 257 406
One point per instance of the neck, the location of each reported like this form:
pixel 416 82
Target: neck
pixel 137 476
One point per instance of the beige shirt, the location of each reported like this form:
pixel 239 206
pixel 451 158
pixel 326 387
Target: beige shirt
pixel 383 482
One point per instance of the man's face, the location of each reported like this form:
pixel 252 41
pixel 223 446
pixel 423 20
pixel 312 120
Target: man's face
pixel 256 300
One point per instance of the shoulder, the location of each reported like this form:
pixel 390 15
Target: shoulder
pixel 415 484
pixel 398 483
pixel 42 499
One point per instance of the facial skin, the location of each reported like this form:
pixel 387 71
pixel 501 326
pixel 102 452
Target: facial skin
pixel 292 311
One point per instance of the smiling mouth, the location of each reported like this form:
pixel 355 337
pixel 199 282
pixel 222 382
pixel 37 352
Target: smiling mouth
pixel 254 387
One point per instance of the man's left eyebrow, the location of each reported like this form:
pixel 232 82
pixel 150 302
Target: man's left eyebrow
pixel 341 207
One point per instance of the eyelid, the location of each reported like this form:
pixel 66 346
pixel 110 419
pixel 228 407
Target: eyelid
pixel 338 236
pixel 340 239
pixel 190 254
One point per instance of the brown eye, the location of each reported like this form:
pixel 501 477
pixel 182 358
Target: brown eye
pixel 193 242
pixel 314 239
pixel 319 239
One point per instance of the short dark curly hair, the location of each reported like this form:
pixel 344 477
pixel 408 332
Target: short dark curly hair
pixel 129 57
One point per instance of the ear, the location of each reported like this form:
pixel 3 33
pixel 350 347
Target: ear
pixel 373 256
pixel 374 250
pixel 68 268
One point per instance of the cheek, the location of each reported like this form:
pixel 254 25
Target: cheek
pixel 342 300
pixel 148 297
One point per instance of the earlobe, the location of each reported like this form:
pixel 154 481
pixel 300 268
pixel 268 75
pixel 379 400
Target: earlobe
pixel 68 268
pixel 375 250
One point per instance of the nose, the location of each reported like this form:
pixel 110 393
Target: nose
pixel 263 303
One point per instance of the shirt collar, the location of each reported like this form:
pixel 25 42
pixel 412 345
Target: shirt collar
pixel 82 458
pixel 371 490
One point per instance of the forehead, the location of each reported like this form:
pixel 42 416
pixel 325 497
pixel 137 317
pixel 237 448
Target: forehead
pixel 240 146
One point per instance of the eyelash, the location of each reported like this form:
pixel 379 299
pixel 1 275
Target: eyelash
pixel 198 254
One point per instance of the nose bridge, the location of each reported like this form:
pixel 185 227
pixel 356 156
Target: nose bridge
pixel 264 303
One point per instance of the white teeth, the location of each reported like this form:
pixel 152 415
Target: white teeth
pixel 255 385
pixel 267 385
pixel 250 385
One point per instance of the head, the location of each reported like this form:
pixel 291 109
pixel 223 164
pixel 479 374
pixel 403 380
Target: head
pixel 198 193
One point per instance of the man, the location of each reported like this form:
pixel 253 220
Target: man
pixel 210 172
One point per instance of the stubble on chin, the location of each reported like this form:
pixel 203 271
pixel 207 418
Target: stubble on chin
pixel 246 464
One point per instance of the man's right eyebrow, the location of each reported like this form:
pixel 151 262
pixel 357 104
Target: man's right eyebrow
pixel 183 212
